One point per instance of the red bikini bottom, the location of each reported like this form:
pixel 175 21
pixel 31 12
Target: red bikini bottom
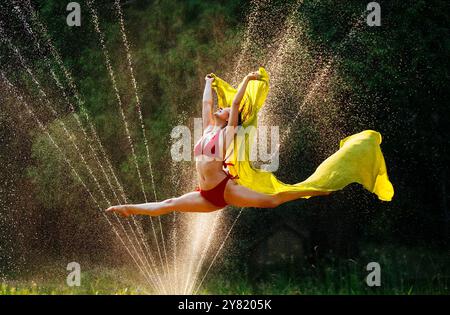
pixel 216 195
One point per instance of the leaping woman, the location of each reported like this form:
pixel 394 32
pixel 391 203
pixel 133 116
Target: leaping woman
pixel 225 179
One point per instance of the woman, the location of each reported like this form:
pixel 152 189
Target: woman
pixel 359 159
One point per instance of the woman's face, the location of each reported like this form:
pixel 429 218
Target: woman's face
pixel 222 114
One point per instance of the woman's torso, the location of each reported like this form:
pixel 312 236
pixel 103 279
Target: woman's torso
pixel 209 157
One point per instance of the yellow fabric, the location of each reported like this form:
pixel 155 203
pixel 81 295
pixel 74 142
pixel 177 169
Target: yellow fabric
pixel 358 160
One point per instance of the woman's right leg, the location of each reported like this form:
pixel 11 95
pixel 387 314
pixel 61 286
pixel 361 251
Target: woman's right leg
pixel 190 202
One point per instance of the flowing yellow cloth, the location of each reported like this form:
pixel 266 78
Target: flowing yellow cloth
pixel 359 159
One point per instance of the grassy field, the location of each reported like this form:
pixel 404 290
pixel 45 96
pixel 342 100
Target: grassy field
pixel 349 284
pixel 94 281
pixel 405 272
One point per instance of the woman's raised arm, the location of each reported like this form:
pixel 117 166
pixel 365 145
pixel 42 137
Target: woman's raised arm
pixel 234 113
pixel 207 102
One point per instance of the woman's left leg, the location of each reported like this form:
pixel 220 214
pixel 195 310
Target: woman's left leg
pixel 241 196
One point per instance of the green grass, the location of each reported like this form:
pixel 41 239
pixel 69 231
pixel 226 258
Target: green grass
pixel 403 271
pixel 329 284
pixel 96 281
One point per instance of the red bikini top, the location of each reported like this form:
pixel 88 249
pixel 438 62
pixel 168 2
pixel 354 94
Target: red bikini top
pixel 208 148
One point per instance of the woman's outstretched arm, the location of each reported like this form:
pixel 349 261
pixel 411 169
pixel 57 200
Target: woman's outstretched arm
pixel 207 102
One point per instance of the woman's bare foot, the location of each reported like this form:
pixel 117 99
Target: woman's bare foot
pixel 123 210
